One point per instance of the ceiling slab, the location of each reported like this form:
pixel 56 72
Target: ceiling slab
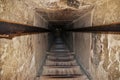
pixel 67 14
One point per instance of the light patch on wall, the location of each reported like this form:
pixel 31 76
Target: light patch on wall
pixel 32 62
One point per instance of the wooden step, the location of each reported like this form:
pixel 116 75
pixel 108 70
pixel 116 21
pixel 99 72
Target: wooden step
pixel 59 54
pixel 61 60
pixel 61 66
pixel 60 46
pixel 60 63
pixel 59 50
pixel 56 57
pixel 61 71
pixel 83 77
pixel 63 76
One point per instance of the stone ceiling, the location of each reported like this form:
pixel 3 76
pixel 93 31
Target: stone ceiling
pixel 60 10
pixel 67 14
pixel 56 4
pixel 51 10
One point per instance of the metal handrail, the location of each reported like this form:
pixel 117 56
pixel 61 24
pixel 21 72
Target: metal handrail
pixel 41 67
pixel 83 68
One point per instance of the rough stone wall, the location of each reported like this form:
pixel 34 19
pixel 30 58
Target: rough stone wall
pixel 82 40
pixel 104 61
pixel 40 41
pixel 19 56
pixel 105 48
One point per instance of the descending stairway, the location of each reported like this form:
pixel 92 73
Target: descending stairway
pixel 60 64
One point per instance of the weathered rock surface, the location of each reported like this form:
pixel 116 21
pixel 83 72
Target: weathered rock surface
pixel 19 57
pixel 105 50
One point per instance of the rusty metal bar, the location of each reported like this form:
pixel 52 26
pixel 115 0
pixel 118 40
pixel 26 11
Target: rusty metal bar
pixel 10 30
pixel 110 28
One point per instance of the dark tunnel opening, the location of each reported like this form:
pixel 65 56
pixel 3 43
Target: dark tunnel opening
pixel 58 31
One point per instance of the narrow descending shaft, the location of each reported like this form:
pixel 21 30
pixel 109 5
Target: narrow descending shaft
pixel 61 64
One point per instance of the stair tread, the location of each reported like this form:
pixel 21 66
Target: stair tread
pixel 53 49
pixel 62 54
pixel 61 64
pixel 59 46
pixel 61 67
pixel 61 71
pixel 74 78
pixel 60 60
pixel 60 57
pixel 63 75
pixel 66 66
pixel 56 62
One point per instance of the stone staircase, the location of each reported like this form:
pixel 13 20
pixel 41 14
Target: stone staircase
pixel 60 64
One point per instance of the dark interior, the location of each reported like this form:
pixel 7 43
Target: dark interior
pixel 58 30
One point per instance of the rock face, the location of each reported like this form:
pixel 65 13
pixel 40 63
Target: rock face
pixel 20 57
pixel 105 48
